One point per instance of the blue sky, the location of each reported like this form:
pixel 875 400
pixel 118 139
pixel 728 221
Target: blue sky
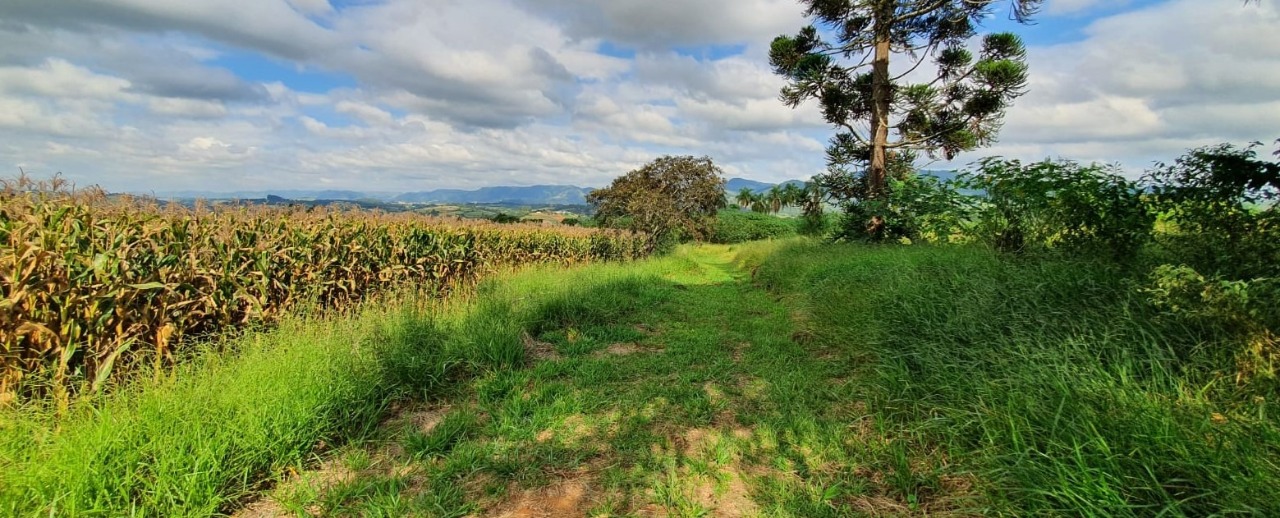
pixel 399 95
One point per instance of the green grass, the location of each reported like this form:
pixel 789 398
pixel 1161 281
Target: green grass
pixel 199 440
pixel 785 378
pixel 1050 384
pixel 202 439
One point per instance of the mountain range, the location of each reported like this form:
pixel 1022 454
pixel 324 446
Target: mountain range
pixel 528 195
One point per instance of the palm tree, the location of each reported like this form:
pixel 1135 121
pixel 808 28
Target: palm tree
pixel 813 202
pixel 775 199
pixel 813 197
pixel 745 197
pixel 792 195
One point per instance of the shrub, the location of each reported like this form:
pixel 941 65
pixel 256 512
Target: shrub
pixel 1058 205
pixel 916 208
pixel 1217 206
pixel 1247 310
pixel 735 226
pixel 819 224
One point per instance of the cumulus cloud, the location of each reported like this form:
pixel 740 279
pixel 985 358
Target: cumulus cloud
pixel 149 94
pixel 663 24
pixel 1147 84
pixel 270 25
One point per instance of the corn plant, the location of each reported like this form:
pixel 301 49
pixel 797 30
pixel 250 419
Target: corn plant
pixel 92 286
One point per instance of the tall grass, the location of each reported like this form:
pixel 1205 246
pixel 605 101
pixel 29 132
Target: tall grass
pixel 215 430
pixel 1053 383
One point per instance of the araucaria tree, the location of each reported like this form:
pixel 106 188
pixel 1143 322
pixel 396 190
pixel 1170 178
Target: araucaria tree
pixel 671 198
pixel 844 64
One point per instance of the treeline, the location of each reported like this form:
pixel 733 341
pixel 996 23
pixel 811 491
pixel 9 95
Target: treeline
pixel 92 287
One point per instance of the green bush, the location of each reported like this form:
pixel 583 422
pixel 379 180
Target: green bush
pixel 819 224
pixel 1058 205
pixel 1219 237
pixel 917 208
pixel 1217 209
pixel 735 226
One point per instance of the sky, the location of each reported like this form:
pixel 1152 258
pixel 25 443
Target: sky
pixel 408 95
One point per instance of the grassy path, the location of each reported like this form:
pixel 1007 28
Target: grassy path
pixel 701 399
pixel 771 379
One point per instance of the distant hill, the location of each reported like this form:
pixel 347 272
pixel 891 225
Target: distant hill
pixel 738 184
pixel 942 175
pixel 734 185
pixel 288 194
pixel 534 195
pixel 529 195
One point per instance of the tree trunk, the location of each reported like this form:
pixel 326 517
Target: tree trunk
pixel 880 93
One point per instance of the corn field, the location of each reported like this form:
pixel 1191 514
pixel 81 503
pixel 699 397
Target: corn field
pixel 91 285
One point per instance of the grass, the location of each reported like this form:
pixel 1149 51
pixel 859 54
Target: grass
pixel 202 439
pixel 783 379
pixel 1050 385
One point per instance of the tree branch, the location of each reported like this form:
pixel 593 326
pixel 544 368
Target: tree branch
pixel 913 68
pixel 916 142
pixel 854 132
pixel 920 12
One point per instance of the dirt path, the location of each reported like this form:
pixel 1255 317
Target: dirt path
pixel 710 398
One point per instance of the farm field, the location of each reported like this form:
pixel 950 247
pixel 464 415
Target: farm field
pixel 97 288
pixel 743 380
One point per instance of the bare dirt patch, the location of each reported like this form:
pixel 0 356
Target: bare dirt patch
pixel 713 393
pixel 572 496
pixel 264 508
pixel 724 492
pixel 327 475
pixel 727 496
pixel 538 350
pixel 425 419
pixel 620 349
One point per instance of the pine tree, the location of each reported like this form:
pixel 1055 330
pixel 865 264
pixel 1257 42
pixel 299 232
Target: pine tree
pixel 845 66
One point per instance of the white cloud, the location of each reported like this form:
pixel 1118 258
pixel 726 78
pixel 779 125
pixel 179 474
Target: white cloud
pixel 662 24
pixel 192 108
pixel 1146 85
pixel 56 78
pixel 464 93
pixel 312 7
